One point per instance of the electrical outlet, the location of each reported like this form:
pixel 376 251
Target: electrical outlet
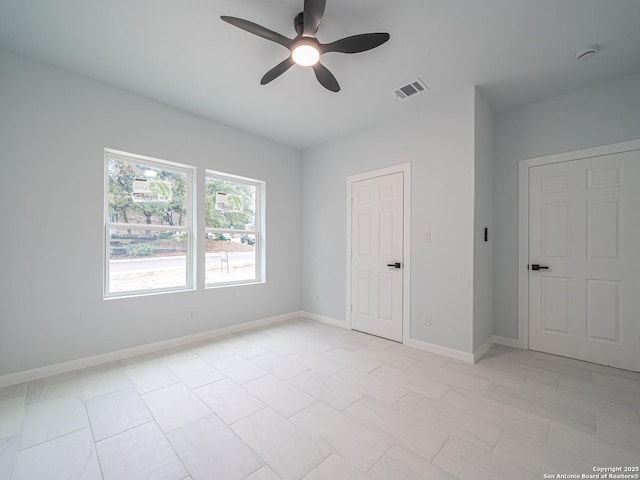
pixel 427 236
pixel 191 313
pixel 427 319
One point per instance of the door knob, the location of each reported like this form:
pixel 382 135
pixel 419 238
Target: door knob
pixel 394 265
pixel 535 266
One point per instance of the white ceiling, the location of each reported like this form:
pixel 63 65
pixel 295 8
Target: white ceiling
pixel 181 53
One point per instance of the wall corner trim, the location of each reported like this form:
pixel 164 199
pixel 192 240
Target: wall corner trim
pixel 509 342
pixel 440 350
pixel 324 319
pixel 95 360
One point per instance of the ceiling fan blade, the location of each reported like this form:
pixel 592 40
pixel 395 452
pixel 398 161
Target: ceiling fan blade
pixel 356 43
pixel 326 78
pixel 258 30
pixel 313 13
pixel 276 71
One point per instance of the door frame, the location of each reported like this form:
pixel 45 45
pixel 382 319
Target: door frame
pixel 405 169
pixel 523 220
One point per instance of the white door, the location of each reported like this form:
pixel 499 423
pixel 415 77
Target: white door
pixel 584 259
pixel 376 249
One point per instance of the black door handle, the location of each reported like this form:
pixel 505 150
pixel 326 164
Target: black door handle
pixel 394 265
pixel 535 266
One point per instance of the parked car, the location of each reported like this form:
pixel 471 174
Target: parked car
pixel 247 239
pixel 219 236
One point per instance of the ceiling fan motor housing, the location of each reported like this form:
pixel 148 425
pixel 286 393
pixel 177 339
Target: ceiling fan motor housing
pixel 298 23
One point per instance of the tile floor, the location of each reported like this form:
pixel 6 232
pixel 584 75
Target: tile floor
pixel 304 400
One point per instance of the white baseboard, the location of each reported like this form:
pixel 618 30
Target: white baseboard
pixel 95 360
pixel 477 355
pixel 440 350
pixel 323 319
pixel 509 342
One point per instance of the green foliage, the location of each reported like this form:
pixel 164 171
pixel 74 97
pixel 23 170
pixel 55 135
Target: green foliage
pixel 121 175
pixel 240 194
pixel 139 249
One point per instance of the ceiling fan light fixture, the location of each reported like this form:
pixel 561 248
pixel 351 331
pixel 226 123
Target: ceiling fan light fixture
pixel 305 54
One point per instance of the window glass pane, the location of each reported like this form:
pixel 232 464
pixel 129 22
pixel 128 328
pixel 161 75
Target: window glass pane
pixel 146 194
pixel 229 204
pixel 146 260
pixel 230 257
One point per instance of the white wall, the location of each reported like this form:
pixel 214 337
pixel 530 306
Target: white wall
pixel 599 115
pixel 54 127
pixel 483 218
pixel 438 139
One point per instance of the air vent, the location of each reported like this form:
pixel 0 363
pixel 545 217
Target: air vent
pixel 411 89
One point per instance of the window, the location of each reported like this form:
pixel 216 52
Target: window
pixel 234 230
pixel 148 225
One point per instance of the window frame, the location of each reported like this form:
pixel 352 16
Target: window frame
pixel 189 228
pixel 258 230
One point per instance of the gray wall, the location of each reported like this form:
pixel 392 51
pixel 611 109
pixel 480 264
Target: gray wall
pixel 54 127
pixel 599 115
pixel 437 138
pixel 483 217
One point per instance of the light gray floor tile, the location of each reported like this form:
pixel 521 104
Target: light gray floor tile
pixel 51 419
pixel 282 367
pixel 624 433
pixel 285 399
pixel 334 393
pixel 399 464
pixel 8 455
pixel 595 402
pixel 418 355
pixel 142 452
pixel 368 384
pixel 212 351
pixel 70 457
pixel 116 412
pixel 265 473
pixel 405 430
pixel 341 340
pixel 228 400
pixel 279 345
pixel 151 375
pixel 355 359
pixel 312 345
pixel 557 412
pixel 617 383
pixel 539 458
pixel 195 372
pixel 519 422
pixel 210 450
pixel 449 377
pixel 449 419
pixel 241 347
pixel 317 363
pixel 105 379
pixel 175 406
pixel 11 415
pixel 492 374
pixel 335 468
pixel 549 412
pixel 238 369
pixel 411 381
pixel 465 461
pixel 590 447
pixel 288 449
pixel 53 387
pixel 357 442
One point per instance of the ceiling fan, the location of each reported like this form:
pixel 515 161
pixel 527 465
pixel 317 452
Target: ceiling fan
pixel 305 49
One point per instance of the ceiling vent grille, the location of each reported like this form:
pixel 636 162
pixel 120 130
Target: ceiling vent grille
pixel 411 89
